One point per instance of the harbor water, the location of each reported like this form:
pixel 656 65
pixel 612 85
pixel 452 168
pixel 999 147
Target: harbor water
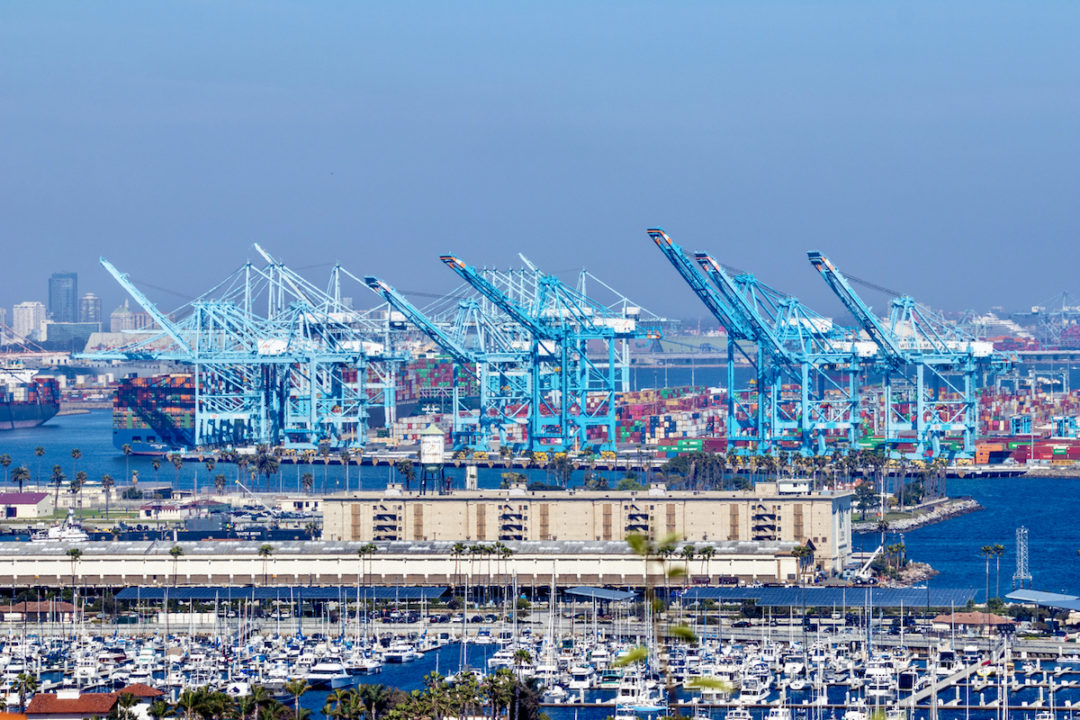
pixel 1044 505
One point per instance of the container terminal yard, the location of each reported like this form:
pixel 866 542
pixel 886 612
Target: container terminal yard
pixel 745 486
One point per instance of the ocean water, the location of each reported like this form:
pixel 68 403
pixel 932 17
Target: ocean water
pixel 1045 506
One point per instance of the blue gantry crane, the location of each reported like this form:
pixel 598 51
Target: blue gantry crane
pixel 499 373
pixel 930 370
pixel 294 373
pixel 571 389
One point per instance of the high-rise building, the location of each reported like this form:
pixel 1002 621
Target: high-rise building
pixel 64 297
pixel 89 308
pixel 28 319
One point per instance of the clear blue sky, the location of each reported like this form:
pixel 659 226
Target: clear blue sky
pixel 932 147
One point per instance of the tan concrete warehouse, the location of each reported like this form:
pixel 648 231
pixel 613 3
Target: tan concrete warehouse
pixel 764 514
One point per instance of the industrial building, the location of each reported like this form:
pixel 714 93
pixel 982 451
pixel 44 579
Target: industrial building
pixel 821 521
pixel 383 564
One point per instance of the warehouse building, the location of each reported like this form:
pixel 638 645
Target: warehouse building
pixel 768 513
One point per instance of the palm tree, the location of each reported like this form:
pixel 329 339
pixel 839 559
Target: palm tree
pixel 20 475
pixel 266 464
pixel 308 481
pixel 365 550
pixel 126 449
pixel 74 555
pixel 707 553
pixel 80 483
pixel 297 687
pixel 6 461
pixel 175 551
pixel 260 698
pixel 219 483
pixel 38 452
pixel 265 551
pixel 75 455
pixel 337 703
pixel 688 553
pixel 459 548
pixel 107 485
pixel 210 463
pixel 177 463
pixel 159 709
pixel 156 464
pixel 125 704
pixel 25 684
pixel 58 479
pixel 346 457
pixel 999 550
pixel 375 699
pixel 801 553
pixel 405 467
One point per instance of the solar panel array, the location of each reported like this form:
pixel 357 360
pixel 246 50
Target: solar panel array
pixel 294 592
pixel 836 596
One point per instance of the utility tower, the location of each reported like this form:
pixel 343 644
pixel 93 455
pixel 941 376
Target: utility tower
pixel 1023 572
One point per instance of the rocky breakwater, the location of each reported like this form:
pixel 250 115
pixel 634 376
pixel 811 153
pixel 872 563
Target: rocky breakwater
pixel 939 512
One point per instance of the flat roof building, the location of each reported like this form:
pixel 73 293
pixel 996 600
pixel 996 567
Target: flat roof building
pixel 821 520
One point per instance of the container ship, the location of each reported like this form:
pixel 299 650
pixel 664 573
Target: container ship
pixel 26 401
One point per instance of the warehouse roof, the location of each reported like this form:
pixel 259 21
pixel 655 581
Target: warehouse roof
pixel 599 593
pixel 144 548
pixel 1045 599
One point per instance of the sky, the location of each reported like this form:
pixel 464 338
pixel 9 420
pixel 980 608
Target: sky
pixel 933 148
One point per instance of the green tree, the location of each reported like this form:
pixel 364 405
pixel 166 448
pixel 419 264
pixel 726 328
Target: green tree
pixel 375 699
pixel 58 479
pixel 219 483
pixel 20 475
pixel 563 467
pixel 107 485
pixel 26 685
pixel 159 710
pixel 865 498
pixel 297 688
pixel 999 550
pixel 266 464
pixel 126 449
pixel 265 552
pixel 178 464
pixel 405 467
pixel 38 453
pixel 175 552
pixel 307 480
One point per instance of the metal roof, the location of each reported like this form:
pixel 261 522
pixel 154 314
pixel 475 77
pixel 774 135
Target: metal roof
pixel 1045 599
pixel 835 596
pixel 285 592
pixel 143 548
pixel 599 593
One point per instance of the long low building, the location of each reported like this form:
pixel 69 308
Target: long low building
pixel 770 512
pixel 430 563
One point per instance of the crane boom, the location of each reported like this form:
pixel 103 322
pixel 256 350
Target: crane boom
pixel 763 333
pixel 486 288
pixel 858 309
pixel 397 300
pixel 713 300
pixel 148 306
